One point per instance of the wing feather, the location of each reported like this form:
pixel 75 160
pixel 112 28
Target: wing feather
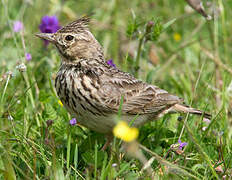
pixel 138 97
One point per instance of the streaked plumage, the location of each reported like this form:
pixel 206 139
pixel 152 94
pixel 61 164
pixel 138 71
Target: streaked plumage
pixel 91 90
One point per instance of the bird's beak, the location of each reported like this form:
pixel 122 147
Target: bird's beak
pixel 46 36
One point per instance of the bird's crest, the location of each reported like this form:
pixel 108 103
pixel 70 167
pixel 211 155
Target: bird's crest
pixel 77 26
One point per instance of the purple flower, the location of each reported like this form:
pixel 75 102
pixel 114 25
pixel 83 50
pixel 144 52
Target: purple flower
pixel 111 63
pixel 207 121
pixel 18 26
pixel 28 56
pixel 49 24
pixel 73 121
pixel 182 144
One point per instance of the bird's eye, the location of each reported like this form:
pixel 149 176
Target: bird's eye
pixel 69 38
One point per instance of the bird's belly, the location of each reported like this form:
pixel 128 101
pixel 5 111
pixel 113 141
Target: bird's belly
pixel 95 122
pixel 103 124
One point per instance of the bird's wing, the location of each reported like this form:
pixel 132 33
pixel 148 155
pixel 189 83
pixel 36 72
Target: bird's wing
pixel 138 97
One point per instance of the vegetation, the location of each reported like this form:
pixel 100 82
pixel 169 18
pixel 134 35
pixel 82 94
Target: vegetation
pixel 163 42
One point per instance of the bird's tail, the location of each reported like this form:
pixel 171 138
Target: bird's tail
pixel 184 109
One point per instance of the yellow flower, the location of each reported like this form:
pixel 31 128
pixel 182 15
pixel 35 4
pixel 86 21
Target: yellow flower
pixel 177 37
pixel 60 103
pixel 124 132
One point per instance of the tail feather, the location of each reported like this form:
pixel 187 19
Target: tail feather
pixel 185 109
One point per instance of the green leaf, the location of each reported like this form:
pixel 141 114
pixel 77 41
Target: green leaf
pixel 150 75
pixel 157 29
pixel 59 125
pixel 50 112
pixel 58 171
pixel 123 167
pixel 44 96
pixel 9 172
pixel 132 27
pixel 172 123
pixel 169 23
pixel 89 158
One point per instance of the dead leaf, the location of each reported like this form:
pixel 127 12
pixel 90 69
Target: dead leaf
pixel 154 58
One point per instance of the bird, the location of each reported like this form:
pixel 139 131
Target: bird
pixel 93 91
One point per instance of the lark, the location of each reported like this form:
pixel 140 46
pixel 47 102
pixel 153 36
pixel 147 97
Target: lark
pixel 91 90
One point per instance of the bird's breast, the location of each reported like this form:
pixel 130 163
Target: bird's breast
pixel 78 93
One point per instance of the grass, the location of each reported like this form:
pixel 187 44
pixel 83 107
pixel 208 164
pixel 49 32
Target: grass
pixel 197 68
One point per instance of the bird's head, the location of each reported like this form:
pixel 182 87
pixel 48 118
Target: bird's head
pixel 74 41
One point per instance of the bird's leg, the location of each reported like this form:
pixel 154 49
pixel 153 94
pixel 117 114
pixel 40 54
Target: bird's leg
pixel 109 138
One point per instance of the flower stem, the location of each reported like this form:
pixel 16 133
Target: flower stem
pixel 199 148
pixel 137 61
pixel 68 150
pixel 115 42
pixel 26 79
pixel 4 91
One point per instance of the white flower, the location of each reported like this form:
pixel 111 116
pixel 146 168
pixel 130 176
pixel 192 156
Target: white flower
pixel 114 165
pixel 204 128
pixel 10 73
pixel 22 67
pixel 10 118
pixel 229 89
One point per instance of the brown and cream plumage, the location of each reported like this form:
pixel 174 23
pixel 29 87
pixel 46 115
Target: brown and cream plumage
pixel 91 90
